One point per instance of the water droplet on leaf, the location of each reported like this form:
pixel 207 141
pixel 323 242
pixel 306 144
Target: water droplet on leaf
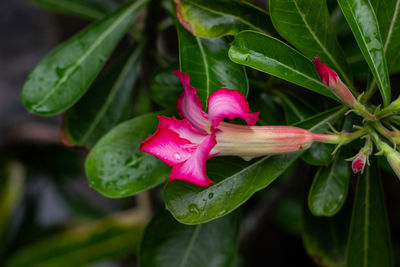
pixel 194 209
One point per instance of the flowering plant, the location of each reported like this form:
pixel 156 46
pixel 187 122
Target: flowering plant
pixel 274 106
pixel 187 144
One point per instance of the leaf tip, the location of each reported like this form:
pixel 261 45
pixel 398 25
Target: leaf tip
pixel 180 17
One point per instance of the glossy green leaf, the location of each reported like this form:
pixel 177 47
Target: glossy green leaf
pixel 364 25
pixel 64 75
pixel 369 242
pixel 272 56
pixel 166 87
pixel 213 19
pixel 111 238
pixel 329 188
pixel 388 15
pixel 306 24
pixel 295 109
pixel 105 105
pixel 168 243
pixel 236 181
pixel 325 238
pixel 208 65
pixel 91 9
pixel 116 168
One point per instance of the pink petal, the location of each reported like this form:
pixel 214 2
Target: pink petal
pixel 189 105
pixel 358 163
pixel 183 128
pixel 194 169
pixel 225 103
pixel 326 74
pixel 166 145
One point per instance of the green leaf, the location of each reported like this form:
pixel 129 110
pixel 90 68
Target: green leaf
pixel 295 109
pixel 64 75
pixel 272 56
pixel 325 238
pixel 363 23
pixel 208 65
pixel 236 179
pixel 306 24
pixel 166 87
pixel 111 238
pixel 167 243
pixel 105 105
pixel 369 242
pixel 329 188
pixel 213 19
pixel 388 15
pixel 91 9
pixel 116 168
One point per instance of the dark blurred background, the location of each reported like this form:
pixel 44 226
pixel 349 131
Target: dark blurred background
pixel 53 195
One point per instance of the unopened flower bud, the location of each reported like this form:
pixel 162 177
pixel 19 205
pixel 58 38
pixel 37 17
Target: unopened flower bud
pixel 333 82
pixel 358 163
pixel 361 158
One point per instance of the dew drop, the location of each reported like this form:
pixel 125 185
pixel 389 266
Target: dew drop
pixel 177 156
pixel 222 212
pixel 193 209
pixel 211 195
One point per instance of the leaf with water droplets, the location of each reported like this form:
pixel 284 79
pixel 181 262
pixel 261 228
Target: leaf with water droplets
pixel 116 168
pixel 106 104
pixel 64 75
pixel 329 189
pixel 272 56
pixel 213 19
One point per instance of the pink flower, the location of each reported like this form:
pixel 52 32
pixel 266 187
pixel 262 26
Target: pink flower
pixel 187 144
pixel 333 82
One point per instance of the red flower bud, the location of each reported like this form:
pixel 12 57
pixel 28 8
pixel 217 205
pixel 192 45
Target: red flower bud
pixel 333 82
pixel 358 163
